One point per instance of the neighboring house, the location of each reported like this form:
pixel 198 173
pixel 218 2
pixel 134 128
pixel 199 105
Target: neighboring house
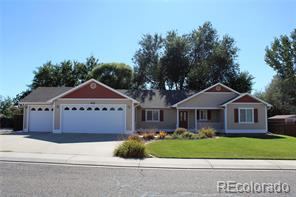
pixel 282 118
pixel 94 107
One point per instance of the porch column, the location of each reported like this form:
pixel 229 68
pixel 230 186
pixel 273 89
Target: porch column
pixel 177 123
pixel 133 117
pixel 225 119
pixel 195 119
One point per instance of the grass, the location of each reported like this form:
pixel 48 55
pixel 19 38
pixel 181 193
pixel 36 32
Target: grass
pixel 268 147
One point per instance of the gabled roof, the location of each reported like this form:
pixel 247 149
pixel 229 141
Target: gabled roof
pixel 246 94
pixel 43 94
pixel 89 81
pixel 157 98
pixel 198 93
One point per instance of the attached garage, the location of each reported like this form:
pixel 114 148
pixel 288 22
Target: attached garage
pixel 93 118
pixel 40 118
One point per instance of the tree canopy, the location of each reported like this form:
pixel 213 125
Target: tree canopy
pixel 191 61
pixel 281 92
pixel 116 75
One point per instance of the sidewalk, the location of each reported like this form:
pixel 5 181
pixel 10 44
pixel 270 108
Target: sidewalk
pixel 149 162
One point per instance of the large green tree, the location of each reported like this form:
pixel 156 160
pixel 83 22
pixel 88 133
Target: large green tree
pixel 191 61
pixel 281 56
pixel 147 68
pixel 175 60
pixel 115 75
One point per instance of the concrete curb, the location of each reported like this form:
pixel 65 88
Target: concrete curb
pixel 92 160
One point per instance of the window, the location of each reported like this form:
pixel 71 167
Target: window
pixel 112 109
pixel 74 109
pixel 46 109
pixel 39 109
pixel 97 109
pixel 203 114
pixel 119 109
pixel 152 115
pixel 33 109
pixel 66 108
pixel 104 109
pixel 89 109
pixel 81 109
pixel 246 115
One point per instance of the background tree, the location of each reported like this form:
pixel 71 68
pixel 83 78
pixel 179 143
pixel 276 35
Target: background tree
pixel 175 60
pixel 115 75
pixel 147 68
pixel 281 56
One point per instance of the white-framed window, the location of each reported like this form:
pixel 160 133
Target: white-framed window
pixel 152 115
pixel 203 114
pixel 246 115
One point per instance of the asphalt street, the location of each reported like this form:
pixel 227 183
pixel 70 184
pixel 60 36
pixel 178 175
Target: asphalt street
pixel 27 179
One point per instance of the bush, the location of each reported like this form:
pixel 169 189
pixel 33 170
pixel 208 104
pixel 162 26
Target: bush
pixel 130 149
pixel 168 137
pixel 180 131
pixel 148 136
pixel 201 136
pixel 135 137
pixel 162 134
pixel 188 135
pixel 208 132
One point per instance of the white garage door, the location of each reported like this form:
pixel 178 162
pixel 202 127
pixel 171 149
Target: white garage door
pixel 93 118
pixel 40 118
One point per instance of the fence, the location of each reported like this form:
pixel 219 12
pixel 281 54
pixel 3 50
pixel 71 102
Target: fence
pixel 16 123
pixel 283 128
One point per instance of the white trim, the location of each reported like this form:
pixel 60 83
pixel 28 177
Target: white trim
pixel 195 119
pixel 53 116
pixel 93 99
pixel 199 108
pixel 266 124
pixel 225 119
pixel 198 93
pixel 146 111
pixel 91 80
pixel 34 103
pixel 246 94
pixel 177 124
pixel 245 108
pixel 245 131
pixel 133 117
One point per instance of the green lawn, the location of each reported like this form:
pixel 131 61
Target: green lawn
pixel 270 147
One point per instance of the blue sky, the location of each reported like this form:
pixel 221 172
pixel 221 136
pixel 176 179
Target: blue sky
pixel 33 32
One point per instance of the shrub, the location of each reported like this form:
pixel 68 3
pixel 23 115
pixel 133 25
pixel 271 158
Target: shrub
pixel 208 132
pixel 162 134
pixel 168 137
pixel 176 136
pixel 130 149
pixel 201 136
pixel 180 131
pixel 187 135
pixel 135 137
pixel 148 136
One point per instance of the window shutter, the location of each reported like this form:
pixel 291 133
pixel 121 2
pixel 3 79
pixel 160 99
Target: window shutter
pixel 197 114
pixel 161 115
pixel 209 114
pixel 143 114
pixel 235 115
pixel 255 115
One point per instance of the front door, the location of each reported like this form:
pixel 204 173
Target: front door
pixel 183 119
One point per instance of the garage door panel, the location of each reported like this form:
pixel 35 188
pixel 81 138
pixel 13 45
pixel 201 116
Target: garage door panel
pixel 90 120
pixel 40 118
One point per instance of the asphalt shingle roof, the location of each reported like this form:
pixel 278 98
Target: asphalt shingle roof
pixel 43 94
pixel 147 98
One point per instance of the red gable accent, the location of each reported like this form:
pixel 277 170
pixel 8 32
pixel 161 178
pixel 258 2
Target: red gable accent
pixel 218 88
pixel 90 90
pixel 246 99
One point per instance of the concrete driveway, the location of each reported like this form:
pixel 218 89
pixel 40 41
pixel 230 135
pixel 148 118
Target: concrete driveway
pixel 101 145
